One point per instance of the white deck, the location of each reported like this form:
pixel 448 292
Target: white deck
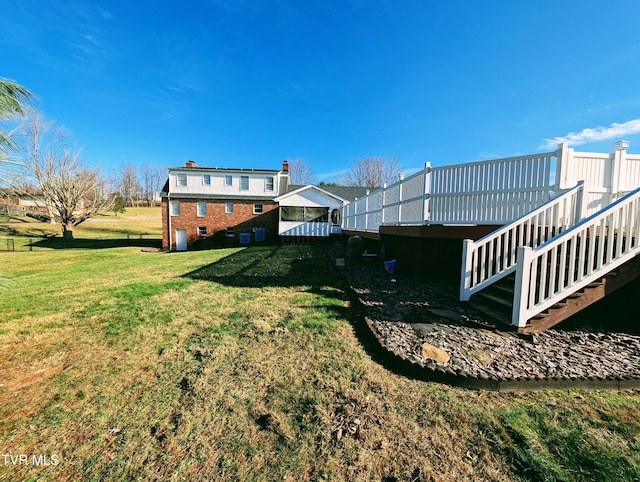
pixel 549 204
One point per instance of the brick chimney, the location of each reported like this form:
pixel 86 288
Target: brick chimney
pixel 190 164
pixel 285 166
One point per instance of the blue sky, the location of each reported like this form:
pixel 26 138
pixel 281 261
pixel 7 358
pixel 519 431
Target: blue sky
pixel 248 83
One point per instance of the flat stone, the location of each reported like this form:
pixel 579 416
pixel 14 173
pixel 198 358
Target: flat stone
pixel 431 352
pixel 422 329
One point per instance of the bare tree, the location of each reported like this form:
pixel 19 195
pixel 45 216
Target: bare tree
pixel 127 184
pixel 151 178
pixel 372 172
pixel 300 172
pixel 73 191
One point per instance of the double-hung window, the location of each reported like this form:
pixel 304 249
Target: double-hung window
pixel 206 180
pixel 181 180
pixel 258 209
pixel 268 183
pixel 228 208
pixel 228 180
pixel 202 209
pixel 202 230
pixel 244 183
pixel 175 208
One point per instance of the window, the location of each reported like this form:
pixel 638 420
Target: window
pixel 269 183
pixel 181 180
pixel 228 180
pixel 258 209
pixel 229 232
pixel 174 207
pixel 228 208
pixel 202 209
pixel 244 183
pixel 291 213
pixel 202 230
pixel 206 180
pixel 304 214
pixel 316 215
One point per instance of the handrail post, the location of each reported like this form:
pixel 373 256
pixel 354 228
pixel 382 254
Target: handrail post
pixel 366 212
pixel 563 163
pixel 522 286
pixel 581 201
pixel 427 191
pixel 384 199
pixel 467 268
pixel 400 180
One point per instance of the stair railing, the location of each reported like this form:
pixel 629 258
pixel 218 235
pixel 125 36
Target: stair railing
pixel 493 257
pixel 578 256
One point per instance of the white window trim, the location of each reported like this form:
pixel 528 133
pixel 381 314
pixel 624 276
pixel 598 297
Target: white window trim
pixel 203 235
pixel 244 188
pixel 230 177
pixel 266 183
pixel 198 214
pixel 180 176
pixel 226 208
pixel 174 208
pixel 261 208
pixel 204 179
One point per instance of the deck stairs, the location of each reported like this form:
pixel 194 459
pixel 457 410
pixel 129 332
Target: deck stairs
pixel 553 273
pixel 496 301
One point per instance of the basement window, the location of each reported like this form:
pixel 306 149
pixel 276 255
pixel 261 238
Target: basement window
pixel 202 231
pixel 229 233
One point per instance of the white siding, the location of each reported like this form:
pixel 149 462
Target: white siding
pixel 195 185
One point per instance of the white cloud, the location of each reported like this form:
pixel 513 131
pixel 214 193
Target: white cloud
pixel 596 134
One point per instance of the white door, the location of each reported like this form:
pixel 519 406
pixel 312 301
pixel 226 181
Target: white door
pixel 181 239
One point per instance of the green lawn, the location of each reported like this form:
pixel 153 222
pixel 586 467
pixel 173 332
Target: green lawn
pixel 243 364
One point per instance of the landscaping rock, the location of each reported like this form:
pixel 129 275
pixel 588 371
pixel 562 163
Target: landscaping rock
pixel 478 347
pixel 430 352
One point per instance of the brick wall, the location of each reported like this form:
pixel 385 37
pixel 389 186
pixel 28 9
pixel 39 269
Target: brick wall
pixel 216 222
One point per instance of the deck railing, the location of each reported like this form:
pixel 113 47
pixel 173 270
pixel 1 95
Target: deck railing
pixel 495 191
pixel 492 257
pixel 576 257
pixel 487 192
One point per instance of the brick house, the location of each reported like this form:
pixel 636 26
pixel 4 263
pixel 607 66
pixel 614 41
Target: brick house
pixel 207 207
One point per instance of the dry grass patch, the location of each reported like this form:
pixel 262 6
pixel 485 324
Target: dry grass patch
pixel 244 365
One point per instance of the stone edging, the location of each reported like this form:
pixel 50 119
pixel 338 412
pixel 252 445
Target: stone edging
pixel 442 374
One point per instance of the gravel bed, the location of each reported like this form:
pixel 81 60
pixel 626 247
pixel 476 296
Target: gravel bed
pixel 409 315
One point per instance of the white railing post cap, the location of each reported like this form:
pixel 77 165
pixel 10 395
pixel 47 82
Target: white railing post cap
pixel 621 146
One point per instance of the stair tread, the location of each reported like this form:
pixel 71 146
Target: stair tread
pixel 496 315
pixel 496 299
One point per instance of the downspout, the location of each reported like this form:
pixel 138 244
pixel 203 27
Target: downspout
pixel 169 216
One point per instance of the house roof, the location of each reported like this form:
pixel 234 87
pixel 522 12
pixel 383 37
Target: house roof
pixel 298 189
pixel 348 193
pixel 224 169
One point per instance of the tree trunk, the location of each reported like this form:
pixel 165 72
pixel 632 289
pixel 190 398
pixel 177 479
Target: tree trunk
pixel 67 232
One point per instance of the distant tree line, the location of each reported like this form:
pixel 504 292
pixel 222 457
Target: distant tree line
pixel 138 184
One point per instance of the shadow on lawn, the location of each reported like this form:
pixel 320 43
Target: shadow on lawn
pixel 89 243
pixel 272 266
